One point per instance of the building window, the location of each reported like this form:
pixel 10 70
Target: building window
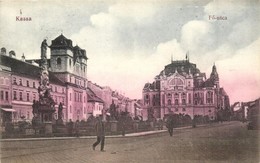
pixel 34 96
pixel 210 111
pixel 189 96
pixel 34 85
pixel 169 102
pixel 209 97
pixel 2 95
pixel 21 96
pixel 58 61
pixel 28 97
pixel 176 101
pixel 6 95
pixel 28 115
pixel 27 83
pixel 20 82
pixel 75 94
pixel 183 101
pixel 176 109
pixel 183 109
pixel 80 97
pixel 70 109
pixel 147 96
pixel 84 110
pixel 55 89
pixel 70 62
pixel 2 81
pixel 15 96
pixel 14 81
pixel 169 95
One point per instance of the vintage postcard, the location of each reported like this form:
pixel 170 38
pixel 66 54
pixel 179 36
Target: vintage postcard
pixel 129 81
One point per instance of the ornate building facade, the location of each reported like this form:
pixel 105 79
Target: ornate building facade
pixel 182 89
pixel 67 68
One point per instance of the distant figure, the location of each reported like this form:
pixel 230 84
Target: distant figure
pixel 77 128
pixel 160 124
pixel 100 131
pixel 170 124
pixel 60 111
pixel 70 128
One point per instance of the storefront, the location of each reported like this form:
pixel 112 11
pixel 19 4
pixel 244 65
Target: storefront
pixel 6 115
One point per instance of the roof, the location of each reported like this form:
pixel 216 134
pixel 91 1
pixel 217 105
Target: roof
pixel 182 67
pixel 61 42
pixel 26 69
pixel 78 52
pixel 92 97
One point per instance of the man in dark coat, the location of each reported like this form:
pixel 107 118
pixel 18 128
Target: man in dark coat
pixel 100 131
pixel 170 124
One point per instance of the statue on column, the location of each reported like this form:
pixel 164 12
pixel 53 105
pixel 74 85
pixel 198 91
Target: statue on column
pixel 44 62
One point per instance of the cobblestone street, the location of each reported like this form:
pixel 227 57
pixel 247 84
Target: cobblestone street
pixel 226 142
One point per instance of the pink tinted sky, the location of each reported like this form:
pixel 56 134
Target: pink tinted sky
pixel 129 43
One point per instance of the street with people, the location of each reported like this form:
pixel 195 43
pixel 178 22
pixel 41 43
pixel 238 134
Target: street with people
pixel 218 142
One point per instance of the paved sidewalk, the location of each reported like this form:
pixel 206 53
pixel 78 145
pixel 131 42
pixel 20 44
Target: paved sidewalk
pixel 94 137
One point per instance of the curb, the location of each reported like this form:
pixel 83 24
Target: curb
pixel 86 137
pixel 137 134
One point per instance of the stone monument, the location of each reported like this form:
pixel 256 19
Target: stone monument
pixel 60 120
pixel 44 108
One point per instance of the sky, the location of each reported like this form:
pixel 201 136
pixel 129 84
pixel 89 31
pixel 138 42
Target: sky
pixel 129 43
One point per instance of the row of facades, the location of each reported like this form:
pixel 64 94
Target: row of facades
pixel 19 81
pixel 180 88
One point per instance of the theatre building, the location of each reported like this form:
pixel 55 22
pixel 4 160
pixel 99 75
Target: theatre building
pixel 180 88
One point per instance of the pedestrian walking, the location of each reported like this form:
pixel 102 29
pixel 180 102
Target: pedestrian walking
pixel 100 132
pixel 170 124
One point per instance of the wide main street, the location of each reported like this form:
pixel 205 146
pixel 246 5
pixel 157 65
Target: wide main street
pixel 226 142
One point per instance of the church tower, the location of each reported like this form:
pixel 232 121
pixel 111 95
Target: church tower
pixel 61 55
pixel 69 60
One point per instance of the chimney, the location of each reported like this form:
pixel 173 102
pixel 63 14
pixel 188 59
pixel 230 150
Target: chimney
pixel 3 51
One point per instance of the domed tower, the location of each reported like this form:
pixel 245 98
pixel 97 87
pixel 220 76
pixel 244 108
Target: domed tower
pixel 61 54
pixel 214 76
pixel 68 59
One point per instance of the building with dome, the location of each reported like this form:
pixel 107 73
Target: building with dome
pixel 180 88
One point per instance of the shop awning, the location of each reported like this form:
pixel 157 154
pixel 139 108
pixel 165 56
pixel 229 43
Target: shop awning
pixel 8 109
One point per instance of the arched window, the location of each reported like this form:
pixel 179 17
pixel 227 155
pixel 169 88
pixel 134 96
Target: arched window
pixel 169 102
pixel 58 61
pixel 183 101
pixel 176 101
pixel 209 97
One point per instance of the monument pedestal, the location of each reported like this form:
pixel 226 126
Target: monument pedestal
pixel 48 128
pixel 113 126
pixel 136 124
